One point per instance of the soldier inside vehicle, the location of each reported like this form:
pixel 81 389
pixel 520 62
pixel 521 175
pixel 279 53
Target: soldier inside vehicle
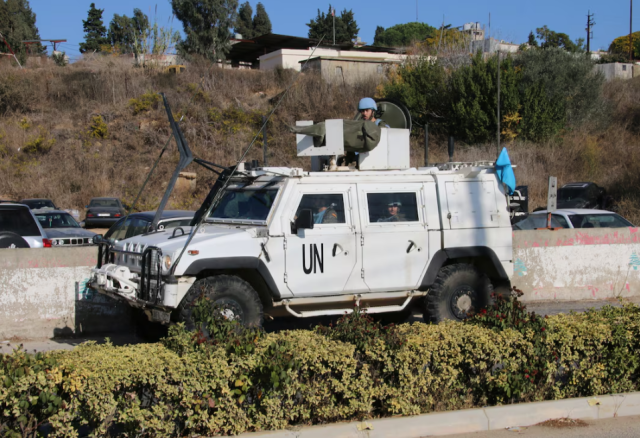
pixel 394 214
pixel 327 209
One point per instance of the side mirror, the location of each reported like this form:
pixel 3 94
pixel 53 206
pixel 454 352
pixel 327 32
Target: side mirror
pixel 97 239
pixel 303 221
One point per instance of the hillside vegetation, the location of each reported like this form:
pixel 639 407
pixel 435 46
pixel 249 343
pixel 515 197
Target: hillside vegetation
pixel 96 127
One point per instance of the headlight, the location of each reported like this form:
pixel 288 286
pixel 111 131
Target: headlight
pixel 166 261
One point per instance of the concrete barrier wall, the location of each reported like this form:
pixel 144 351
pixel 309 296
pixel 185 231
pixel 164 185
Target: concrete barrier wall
pixel 43 294
pixel 577 264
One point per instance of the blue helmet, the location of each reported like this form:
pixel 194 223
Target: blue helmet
pixel 367 103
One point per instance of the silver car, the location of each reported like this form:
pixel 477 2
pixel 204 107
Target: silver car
pixel 20 229
pixel 62 229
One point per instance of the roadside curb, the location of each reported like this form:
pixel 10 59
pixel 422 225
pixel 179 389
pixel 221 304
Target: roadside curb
pixel 470 420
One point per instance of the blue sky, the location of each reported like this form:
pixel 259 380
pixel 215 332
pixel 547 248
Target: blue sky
pixel 511 20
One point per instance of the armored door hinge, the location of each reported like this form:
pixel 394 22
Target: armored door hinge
pixel 361 273
pixel 284 243
pixel 361 240
pixel 285 277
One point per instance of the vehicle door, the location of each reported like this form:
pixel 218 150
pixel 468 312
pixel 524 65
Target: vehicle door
pixel 321 260
pixel 394 240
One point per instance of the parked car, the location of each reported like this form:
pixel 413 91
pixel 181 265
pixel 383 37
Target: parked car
pixel 62 229
pixel 37 203
pixel 139 223
pixel 583 195
pixel 574 218
pixel 103 212
pixel 20 229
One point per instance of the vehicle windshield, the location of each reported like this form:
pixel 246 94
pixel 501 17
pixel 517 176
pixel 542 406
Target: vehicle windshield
pixel 35 204
pixel 605 220
pixel 245 204
pixel 57 220
pixel 104 203
pixel 571 194
pixel 538 221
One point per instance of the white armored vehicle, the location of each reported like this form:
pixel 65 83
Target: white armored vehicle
pixel 284 241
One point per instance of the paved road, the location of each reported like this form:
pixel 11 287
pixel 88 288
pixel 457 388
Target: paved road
pixel 623 427
pixel 156 332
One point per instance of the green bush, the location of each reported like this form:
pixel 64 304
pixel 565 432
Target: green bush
pixel 231 380
pixel 144 103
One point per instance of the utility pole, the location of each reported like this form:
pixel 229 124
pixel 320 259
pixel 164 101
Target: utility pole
pixel 631 32
pixel 590 24
pixel 333 13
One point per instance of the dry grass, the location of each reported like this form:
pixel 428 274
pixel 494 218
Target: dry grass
pixel 561 423
pixel 222 110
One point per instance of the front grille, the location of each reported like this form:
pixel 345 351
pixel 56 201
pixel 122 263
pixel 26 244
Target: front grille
pixel 74 241
pixel 151 275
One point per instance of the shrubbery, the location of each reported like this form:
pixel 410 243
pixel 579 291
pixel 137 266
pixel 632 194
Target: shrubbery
pixel 542 92
pixel 227 379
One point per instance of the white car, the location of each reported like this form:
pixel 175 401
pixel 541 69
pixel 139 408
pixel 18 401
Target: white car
pixel 574 218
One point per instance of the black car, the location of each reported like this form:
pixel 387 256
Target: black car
pixel 37 203
pixel 139 223
pixel 583 195
pixel 103 212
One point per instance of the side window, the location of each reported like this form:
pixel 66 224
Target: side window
pixel 392 207
pixel 326 208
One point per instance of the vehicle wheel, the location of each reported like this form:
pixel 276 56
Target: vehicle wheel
pixel 457 291
pixel 234 295
pixel 12 240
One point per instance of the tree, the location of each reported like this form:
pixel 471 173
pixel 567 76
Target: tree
pixel 95 32
pixel 571 87
pixel 18 23
pixel 551 39
pixel 378 37
pixel 402 35
pixel 532 40
pixel 345 26
pixel 244 24
pixel 206 24
pixel 261 22
pixel 620 45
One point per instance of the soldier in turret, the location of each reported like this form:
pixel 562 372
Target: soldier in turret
pixel 367 108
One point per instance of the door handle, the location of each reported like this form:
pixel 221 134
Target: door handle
pixel 411 246
pixel 337 249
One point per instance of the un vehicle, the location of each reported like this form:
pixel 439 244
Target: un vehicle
pixel 284 241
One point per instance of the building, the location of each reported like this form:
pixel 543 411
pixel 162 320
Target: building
pixel 346 70
pixel 617 70
pixel 272 51
pixel 492 45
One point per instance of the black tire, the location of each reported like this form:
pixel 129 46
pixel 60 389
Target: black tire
pixel 458 291
pixel 12 240
pixel 228 291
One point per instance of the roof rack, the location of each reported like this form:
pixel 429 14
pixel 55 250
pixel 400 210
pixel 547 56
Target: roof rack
pixel 457 165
